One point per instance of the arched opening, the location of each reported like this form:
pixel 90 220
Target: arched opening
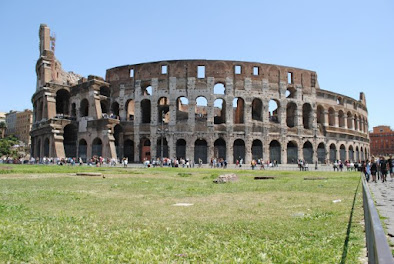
pixel 342 153
pixel 238 110
pixel 321 153
pixel 181 149
pixel 145 111
pixel 84 108
pixel 182 109
pixel 320 115
pixel 257 149
pixel 115 109
pixel 275 151
pixel 97 147
pixel 62 102
pixel 219 88
pixel 331 117
pixel 360 124
pixel 83 149
pixel 239 150
pixel 40 111
pixel 130 110
pixel 292 152
pixel 118 135
pixel 129 150
pixel 147 90
pixel 219 111
pixel 307 150
pixel 104 106
pixel 291 92
pixel 291 114
pixel 357 155
pixel 163 110
pixel 351 153
pixel 355 122
pixel 307 116
pixel 201 109
pixel 257 109
pixel 46 147
pixel 349 120
pixel 220 149
pixel 70 136
pixel 273 111
pixel 200 151
pixel 104 91
pixel 145 149
pixel 362 156
pixel 333 153
pixel 38 149
pixel 341 118
pixel 159 145
pixel 73 110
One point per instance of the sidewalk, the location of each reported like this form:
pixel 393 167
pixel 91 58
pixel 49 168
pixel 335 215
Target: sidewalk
pixel 383 194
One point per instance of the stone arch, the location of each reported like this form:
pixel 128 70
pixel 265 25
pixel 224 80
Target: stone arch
pixel 320 115
pixel 341 118
pixel 257 109
pixel 239 150
pixel 257 149
pixel 163 110
pixel 275 151
pixel 331 116
pixel 292 152
pixel 220 149
pixel 62 102
pixel 128 149
pixel 307 150
pixel 181 148
pixel 307 116
pixel 130 109
pixel 291 114
pixel 219 111
pixel 146 90
pixel 342 153
pixel 219 88
pixel 238 110
pixel 115 109
pixel 182 109
pixel 291 92
pixel 357 154
pixel 46 147
pixel 145 111
pixel 351 153
pixel 104 106
pixel 145 149
pixel 201 109
pixel 82 149
pixel 200 151
pixel 70 136
pixel 355 122
pixel 97 147
pixel 118 135
pixel 105 91
pixel 273 111
pixel 321 153
pixel 84 107
pixel 333 153
pixel 165 147
pixel 349 120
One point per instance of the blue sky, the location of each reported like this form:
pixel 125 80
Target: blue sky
pixel 350 44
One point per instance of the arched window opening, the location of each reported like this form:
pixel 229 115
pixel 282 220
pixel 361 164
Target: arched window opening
pixel 163 110
pixel 351 153
pixel 84 108
pixel 97 147
pixel 273 114
pixel 200 151
pixel 342 153
pixel 147 90
pixel 128 150
pixel 357 155
pixel 349 120
pixel 257 109
pixel 220 149
pixel 331 117
pixel 219 111
pixel 104 91
pixel 62 102
pixel 321 153
pixel 219 88
pixel 145 149
pixel 307 116
pixel 239 151
pixel 292 153
pixel 355 122
pixel 145 111
pixel 291 92
pixel 182 109
pixel 82 149
pixel 130 108
pixel 341 118
pixel 70 136
pixel 238 110
pixel 320 115
pixel 104 107
pixel 308 152
pixel 257 149
pixel 162 141
pixel 181 149
pixel 115 110
pixel 333 153
pixel 275 152
pixel 291 114
pixel 201 109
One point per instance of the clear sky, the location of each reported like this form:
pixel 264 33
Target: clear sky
pixel 349 43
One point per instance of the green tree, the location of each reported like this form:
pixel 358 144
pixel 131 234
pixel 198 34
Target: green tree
pixel 6 146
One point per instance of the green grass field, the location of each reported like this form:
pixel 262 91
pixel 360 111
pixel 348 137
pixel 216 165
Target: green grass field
pixel 49 215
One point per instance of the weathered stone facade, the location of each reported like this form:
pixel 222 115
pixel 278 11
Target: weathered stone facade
pixel 202 108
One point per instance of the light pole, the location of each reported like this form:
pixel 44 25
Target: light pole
pixel 162 134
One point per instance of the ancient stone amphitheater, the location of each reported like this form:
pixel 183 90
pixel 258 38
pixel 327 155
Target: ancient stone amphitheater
pixel 196 109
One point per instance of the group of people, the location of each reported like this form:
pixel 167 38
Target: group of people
pixel 378 168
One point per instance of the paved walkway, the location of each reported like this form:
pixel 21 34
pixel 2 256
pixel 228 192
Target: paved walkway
pixel 383 194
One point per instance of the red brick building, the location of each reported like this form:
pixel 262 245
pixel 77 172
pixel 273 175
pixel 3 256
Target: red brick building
pixel 382 141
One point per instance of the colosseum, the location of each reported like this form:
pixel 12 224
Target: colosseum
pixel 195 109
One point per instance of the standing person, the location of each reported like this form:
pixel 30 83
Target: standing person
pixel 390 161
pixel 383 168
pixel 374 169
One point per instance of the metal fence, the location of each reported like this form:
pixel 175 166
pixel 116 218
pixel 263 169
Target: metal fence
pixel 377 246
